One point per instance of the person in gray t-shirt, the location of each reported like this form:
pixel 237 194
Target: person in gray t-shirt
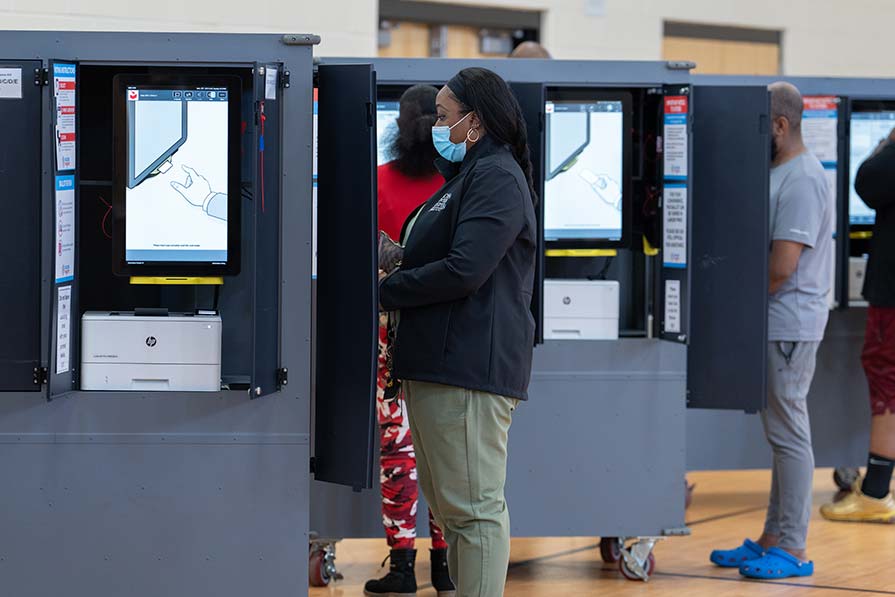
pixel 801 263
pixel 800 266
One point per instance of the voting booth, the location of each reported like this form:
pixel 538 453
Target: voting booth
pixel 155 294
pixel 646 302
pixel 842 122
pixel 191 288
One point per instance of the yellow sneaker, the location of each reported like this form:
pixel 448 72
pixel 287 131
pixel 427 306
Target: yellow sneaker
pixel 857 507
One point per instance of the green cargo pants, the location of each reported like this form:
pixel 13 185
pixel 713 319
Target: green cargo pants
pixel 460 437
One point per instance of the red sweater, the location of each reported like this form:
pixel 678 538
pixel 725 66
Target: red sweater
pixel 398 195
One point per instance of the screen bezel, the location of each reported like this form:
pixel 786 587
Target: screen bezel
pixel 861 107
pixel 120 178
pixel 593 95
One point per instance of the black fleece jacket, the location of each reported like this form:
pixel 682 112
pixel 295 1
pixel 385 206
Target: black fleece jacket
pixel 875 184
pixel 466 279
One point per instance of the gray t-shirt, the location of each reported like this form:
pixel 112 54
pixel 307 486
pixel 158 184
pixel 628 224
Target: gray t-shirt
pixel 802 208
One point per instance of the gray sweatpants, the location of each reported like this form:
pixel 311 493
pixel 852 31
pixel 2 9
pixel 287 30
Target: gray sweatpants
pixel 786 425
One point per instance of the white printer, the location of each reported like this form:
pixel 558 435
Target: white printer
pixel 857 269
pixel 581 309
pixel 170 352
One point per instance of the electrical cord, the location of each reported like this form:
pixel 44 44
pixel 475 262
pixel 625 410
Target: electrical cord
pixel 261 154
pixel 105 217
pixel 603 272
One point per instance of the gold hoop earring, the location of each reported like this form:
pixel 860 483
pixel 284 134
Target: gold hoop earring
pixel 469 136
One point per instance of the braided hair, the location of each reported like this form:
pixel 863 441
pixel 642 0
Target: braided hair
pixel 411 148
pixel 484 92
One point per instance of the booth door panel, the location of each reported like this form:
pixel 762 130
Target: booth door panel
pixel 20 242
pixel 727 359
pixel 347 284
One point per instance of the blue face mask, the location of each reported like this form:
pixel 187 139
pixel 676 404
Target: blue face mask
pixel 441 138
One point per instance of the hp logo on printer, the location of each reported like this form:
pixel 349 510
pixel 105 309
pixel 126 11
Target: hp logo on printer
pixel 151 341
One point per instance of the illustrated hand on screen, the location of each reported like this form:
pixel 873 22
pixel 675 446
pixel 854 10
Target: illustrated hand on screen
pixel 197 191
pixel 606 187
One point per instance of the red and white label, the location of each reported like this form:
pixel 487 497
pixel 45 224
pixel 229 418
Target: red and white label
pixel 676 104
pixel 133 95
pixel 820 102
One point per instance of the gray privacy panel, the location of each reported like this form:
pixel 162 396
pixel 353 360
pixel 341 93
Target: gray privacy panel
pixel 604 422
pixel 152 519
pixel 727 358
pixel 20 272
pixel 838 405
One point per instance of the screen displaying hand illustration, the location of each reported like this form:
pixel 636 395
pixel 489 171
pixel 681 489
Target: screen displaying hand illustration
pixel 197 191
pixel 585 152
pixel 178 209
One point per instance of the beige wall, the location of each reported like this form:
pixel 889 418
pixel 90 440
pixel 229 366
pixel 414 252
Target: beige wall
pixel 347 27
pixel 835 38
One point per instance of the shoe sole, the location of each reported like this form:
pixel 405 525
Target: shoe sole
pixel 887 519
pixel 369 594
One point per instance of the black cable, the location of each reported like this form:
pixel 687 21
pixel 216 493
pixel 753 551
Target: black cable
pixel 603 272
pixel 217 296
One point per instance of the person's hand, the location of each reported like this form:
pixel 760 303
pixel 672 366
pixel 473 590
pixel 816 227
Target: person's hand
pixel 390 253
pixel 196 188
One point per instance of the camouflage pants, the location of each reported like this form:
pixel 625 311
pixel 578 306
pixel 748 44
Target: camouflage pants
pixel 397 462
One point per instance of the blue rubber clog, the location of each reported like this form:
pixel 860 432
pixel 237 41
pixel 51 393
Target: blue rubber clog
pixel 734 558
pixel 776 564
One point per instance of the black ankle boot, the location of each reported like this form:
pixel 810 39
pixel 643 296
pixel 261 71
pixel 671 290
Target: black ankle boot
pixel 401 578
pixel 441 580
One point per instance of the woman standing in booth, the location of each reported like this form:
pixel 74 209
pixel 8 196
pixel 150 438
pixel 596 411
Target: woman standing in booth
pixel 403 184
pixel 465 334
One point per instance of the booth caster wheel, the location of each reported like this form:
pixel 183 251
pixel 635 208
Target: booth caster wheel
pixel 317 573
pixel 611 549
pixel 845 477
pixel 643 574
pixel 322 563
pixel 637 561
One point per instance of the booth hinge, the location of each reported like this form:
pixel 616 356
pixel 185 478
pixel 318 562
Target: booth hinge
pixel 282 377
pixel 41 77
pixel 285 78
pixel 41 376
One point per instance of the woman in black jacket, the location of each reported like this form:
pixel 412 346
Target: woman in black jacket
pixel 465 334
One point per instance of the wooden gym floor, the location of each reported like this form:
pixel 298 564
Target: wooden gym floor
pixel 850 559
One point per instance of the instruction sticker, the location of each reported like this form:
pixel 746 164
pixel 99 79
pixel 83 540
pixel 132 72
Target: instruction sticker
pixel 270 83
pixel 64 86
pixel 674 226
pixel 65 229
pixel 63 329
pixel 672 306
pixel 675 143
pixel 820 121
pixel 10 83
pixel 820 131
